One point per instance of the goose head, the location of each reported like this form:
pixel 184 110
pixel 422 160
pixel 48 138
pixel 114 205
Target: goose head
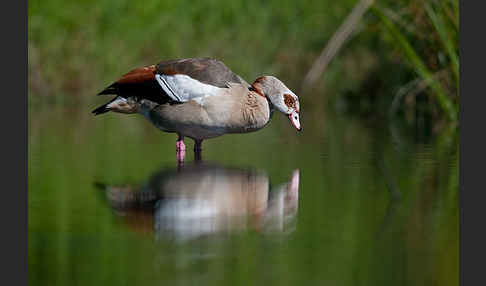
pixel 280 96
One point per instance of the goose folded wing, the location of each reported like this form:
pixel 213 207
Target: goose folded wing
pixel 176 80
pixel 187 79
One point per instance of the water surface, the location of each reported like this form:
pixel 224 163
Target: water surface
pixel 347 201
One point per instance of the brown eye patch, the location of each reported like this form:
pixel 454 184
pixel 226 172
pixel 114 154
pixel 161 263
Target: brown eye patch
pixel 289 100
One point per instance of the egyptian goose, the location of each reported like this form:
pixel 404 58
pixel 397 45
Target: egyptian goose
pixel 200 98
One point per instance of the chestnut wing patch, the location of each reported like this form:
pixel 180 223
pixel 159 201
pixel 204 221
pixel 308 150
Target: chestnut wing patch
pixel 139 82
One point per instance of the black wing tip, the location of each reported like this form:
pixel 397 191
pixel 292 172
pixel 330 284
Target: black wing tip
pixel 100 110
pixel 109 90
pixel 112 89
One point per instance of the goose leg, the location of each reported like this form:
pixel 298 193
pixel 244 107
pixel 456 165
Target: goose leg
pixel 197 150
pixel 180 149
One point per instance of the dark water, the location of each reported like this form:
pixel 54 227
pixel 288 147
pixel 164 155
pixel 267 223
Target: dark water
pixel 346 202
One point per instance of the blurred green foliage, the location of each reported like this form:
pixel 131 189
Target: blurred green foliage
pixel 425 35
pixel 78 47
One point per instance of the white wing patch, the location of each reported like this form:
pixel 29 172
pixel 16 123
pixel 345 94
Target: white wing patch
pixel 182 88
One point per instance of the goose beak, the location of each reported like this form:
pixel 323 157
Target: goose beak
pixel 294 118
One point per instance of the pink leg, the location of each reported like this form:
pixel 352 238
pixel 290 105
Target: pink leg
pixel 180 149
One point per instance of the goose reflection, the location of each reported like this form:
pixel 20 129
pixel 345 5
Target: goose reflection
pixel 203 199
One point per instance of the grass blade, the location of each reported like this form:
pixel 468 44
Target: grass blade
pixel 445 37
pixel 418 65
